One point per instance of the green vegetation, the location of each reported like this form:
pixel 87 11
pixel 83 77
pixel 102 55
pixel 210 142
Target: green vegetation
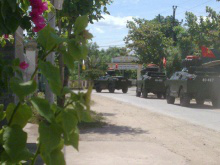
pixel 152 40
pixel 58 121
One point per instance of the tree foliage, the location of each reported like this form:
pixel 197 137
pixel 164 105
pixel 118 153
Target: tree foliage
pixel 59 124
pixel 147 41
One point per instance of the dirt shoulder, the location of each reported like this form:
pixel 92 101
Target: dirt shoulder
pixel 137 136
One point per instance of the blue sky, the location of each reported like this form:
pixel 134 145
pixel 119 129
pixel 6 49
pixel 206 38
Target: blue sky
pixel 111 30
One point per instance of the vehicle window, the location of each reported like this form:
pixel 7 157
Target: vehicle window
pixel 176 76
pixel 173 76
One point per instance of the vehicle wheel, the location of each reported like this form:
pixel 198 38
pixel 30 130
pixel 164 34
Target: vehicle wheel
pixel 125 90
pixel 144 93
pixel 159 95
pixel 216 102
pixel 184 99
pixel 138 94
pixel 111 88
pixel 164 95
pixel 170 99
pixel 98 89
pixel 200 101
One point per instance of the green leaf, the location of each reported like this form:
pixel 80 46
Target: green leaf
pixel 81 23
pixel 26 23
pixel 16 62
pixel 2 113
pixel 14 143
pixel 22 89
pixel 57 157
pixel 87 35
pixel 72 139
pixel 13 4
pixel 48 38
pixel 52 75
pixel 50 139
pixel 66 90
pixel 43 107
pixel 68 58
pixel 56 109
pixel 22 115
pixel 83 115
pixel 24 5
pixel 69 121
pixel 76 51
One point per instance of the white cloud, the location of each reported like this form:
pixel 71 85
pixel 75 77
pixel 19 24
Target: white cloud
pixel 131 1
pixel 126 1
pixel 99 30
pixel 114 21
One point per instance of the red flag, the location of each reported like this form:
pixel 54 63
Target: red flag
pixel 116 66
pixel 207 52
pixel 164 62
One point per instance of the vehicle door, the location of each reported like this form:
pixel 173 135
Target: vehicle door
pixel 140 83
pixel 175 82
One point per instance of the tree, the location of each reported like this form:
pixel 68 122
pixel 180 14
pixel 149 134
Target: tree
pixel 204 30
pixel 147 41
pixel 184 42
pixel 97 60
pixel 66 23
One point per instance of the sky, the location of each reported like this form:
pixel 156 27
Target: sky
pixel 111 30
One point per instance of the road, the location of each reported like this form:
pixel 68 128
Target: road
pixel 201 115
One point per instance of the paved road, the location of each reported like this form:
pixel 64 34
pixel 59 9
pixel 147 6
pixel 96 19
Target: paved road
pixel 202 115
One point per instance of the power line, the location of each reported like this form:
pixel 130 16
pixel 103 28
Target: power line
pixel 185 8
pixel 195 6
pixel 112 46
pixel 176 5
pixel 204 12
pixel 113 42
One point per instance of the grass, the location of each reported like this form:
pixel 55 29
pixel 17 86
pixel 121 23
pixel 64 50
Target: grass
pixel 97 118
pixel 97 121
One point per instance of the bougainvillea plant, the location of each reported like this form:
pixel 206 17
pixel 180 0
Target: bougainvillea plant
pixel 58 126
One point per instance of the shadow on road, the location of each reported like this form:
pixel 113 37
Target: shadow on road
pixel 115 129
pixel 108 114
pixel 196 106
pixel 113 93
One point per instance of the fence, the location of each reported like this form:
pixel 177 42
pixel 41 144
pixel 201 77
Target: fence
pixel 84 84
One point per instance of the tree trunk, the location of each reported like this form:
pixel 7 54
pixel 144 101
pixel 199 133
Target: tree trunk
pixel 61 100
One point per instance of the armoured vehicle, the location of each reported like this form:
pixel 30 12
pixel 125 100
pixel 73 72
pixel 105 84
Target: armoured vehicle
pixel 112 82
pixel 195 81
pixel 152 81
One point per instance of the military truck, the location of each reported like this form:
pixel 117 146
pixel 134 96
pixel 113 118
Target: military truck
pixel 195 81
pixel 112 82
pixel 152 81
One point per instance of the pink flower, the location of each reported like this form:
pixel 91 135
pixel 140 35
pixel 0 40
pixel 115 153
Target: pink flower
pixel 39 27
pixel 35 13
pixel 38 20
pixel 36 3
pixel 43 7
pixel 23 65
pixel 38 7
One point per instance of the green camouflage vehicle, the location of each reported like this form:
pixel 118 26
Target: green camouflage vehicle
pixel 152 82
pixel 195 81
pixel 112 82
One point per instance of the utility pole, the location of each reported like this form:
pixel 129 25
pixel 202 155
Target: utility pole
pixel 174 22
pixel 159 19
pixel 79 81
pixel 174 15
